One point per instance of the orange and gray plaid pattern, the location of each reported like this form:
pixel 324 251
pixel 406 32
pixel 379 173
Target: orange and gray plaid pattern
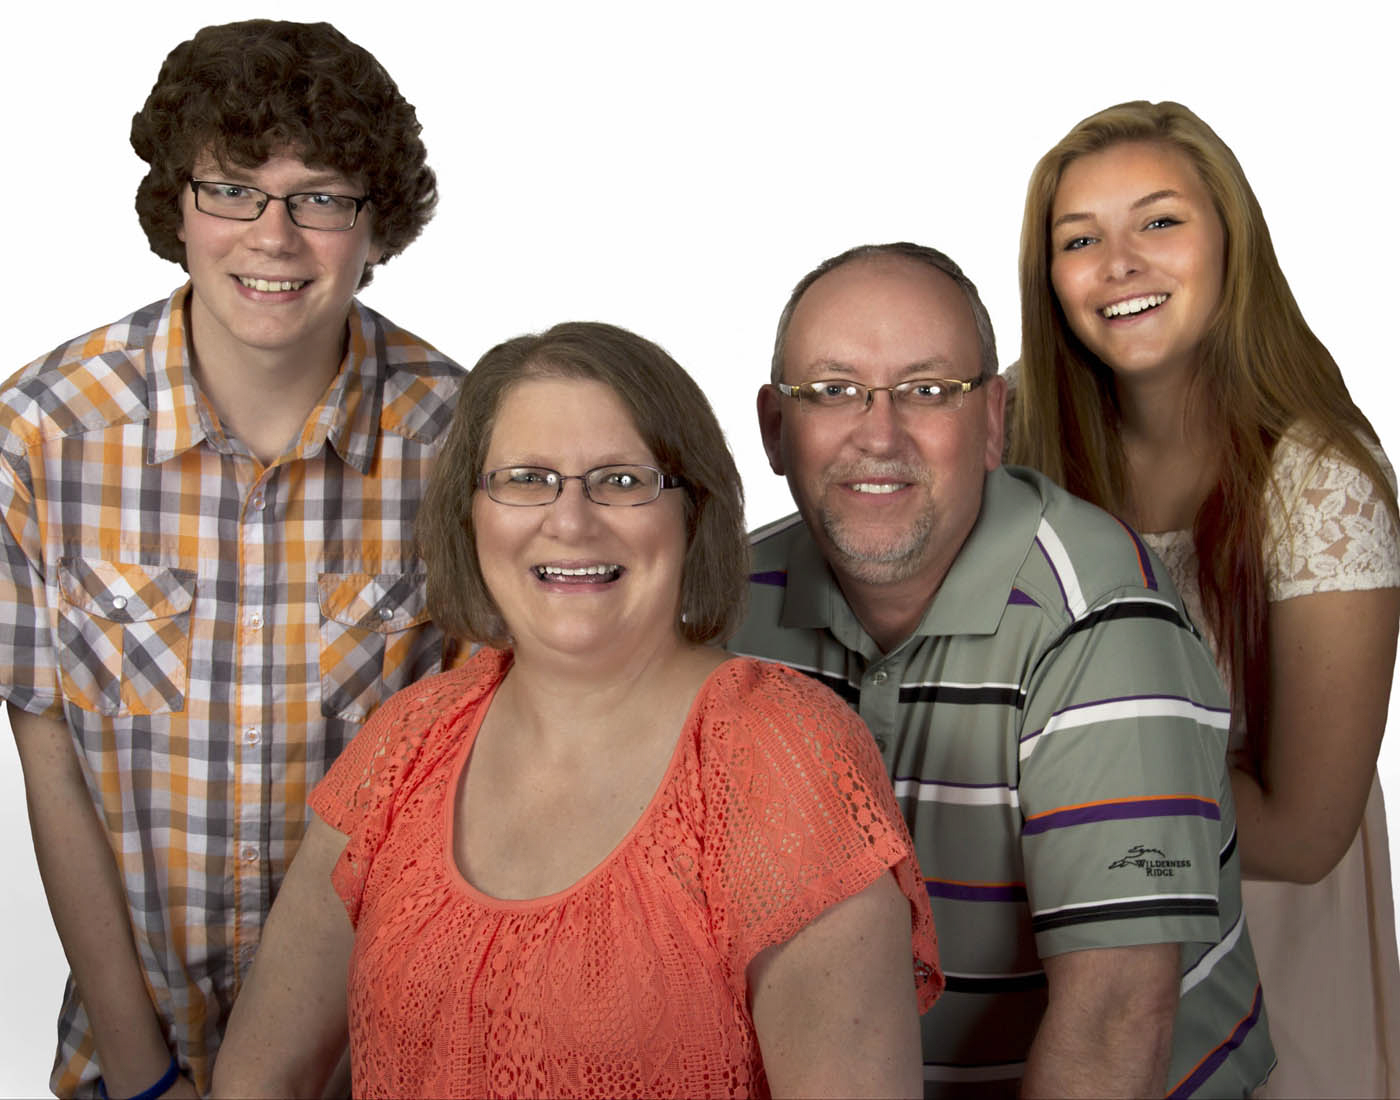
pixel 212 631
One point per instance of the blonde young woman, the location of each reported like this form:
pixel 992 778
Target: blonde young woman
pixel 1168 375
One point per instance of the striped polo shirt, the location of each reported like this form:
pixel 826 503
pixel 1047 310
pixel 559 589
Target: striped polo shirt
pixel 1055 730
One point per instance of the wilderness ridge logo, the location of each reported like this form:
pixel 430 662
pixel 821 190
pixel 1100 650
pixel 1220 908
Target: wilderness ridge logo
pixel 1152 861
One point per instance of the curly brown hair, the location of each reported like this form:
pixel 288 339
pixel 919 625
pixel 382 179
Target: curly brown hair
pixel 243 91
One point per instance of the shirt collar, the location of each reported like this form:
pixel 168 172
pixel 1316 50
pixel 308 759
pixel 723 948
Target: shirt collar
pixel 973 595
pixel 347 416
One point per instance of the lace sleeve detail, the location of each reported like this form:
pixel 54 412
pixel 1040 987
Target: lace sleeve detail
pixel 1330 528
pixel 402 738
pixel 800 815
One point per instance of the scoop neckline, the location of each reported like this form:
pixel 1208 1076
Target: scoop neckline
pixel 459 881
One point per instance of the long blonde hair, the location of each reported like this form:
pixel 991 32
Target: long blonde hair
pixel 1261 372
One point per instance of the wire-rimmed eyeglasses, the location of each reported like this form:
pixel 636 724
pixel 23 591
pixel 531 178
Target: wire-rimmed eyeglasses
pixel 624 485
pixel 915 393
pixel 308 209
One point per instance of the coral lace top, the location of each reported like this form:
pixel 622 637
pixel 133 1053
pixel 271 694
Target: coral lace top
pixel 632 982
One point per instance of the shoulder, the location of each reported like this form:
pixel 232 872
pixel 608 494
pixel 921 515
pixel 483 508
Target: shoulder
pixel 426 701
pixel 1330 524
pixel 756 701
pixel 411 731
pixel 1303 460
pixel 87 383
pixel 1083 557
pixel 769 544
pixel 420 382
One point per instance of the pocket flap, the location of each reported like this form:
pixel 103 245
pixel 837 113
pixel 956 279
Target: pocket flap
pixel 384 602
pixel 125 592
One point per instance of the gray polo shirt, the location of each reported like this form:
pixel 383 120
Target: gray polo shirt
pixel 1055 730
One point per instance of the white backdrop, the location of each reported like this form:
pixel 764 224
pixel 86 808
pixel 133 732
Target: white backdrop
pixel 676 169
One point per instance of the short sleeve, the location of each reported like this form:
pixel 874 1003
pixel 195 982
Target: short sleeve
pixel 1123 792
pixel 402 740
pixel 799 815
pixel 1330 529
pixel 28 668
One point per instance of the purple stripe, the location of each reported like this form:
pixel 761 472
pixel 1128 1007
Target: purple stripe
pixel 1134 809
pixel 1216 1058
pixel 1053 571
pixel 967 891
pixel 1019 597
pixel 776 577
pixel 1144 558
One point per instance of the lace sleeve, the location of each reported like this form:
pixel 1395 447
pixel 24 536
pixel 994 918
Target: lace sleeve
pixel 800 815
pixel 358 794
pixel 1330 528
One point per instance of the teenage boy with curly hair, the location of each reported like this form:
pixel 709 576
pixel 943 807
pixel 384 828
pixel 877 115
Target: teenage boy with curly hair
pixel 208 561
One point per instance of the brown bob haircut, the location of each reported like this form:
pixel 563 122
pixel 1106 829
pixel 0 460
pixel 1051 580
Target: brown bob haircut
pixel 245 91
pixel 674 420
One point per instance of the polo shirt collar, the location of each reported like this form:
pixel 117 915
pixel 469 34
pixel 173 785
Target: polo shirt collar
pixel 971 598
pixel 347 416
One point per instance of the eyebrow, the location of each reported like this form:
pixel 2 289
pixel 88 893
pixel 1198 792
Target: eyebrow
pixel 1146 200
pixel 318 181
pixel 935 366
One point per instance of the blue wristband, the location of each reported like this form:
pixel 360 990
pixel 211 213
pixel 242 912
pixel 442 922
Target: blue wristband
pixel 159 1089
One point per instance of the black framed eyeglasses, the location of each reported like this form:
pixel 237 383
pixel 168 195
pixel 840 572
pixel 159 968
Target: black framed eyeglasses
pixel 840 394
pixel 619 485
pixel 308 209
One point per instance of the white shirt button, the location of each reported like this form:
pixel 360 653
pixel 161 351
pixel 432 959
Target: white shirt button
pixel 252 735
pixel 880 677
pixel 119 602
pixel 386 613
pixel 249 854
pixel 255 620
pixel 257 502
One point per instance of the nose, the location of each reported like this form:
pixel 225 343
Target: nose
pixel 880 429
pixel 1121 257
pixel 274 230
pixel 572 511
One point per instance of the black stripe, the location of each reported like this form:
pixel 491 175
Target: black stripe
pixel 1136 609
pixel 1120 910
pixel 966 696
pixel 839 684
pixel 1229 848
pixel 1017 983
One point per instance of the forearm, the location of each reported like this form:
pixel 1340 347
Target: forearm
pixel 288 1030
pixel 1108 1029
pixel 89 908
pixel 1331 659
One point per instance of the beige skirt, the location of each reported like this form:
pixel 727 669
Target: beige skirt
pixel 1327 960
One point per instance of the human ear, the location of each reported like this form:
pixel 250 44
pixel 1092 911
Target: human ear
pixel 770 426
pixel 996 420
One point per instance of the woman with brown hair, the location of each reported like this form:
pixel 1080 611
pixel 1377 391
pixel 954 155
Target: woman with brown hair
pixel 601 858
pixel 1168 375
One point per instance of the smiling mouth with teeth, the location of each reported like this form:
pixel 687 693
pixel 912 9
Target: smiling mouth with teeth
pixel 582 574
pixel 880 487
pixel 1134 305
pixel 273 285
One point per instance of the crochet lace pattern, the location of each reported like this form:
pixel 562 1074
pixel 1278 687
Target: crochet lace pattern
pixel 1329 531
pixel 631 982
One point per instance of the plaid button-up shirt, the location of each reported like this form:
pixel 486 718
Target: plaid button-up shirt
pixel 212 631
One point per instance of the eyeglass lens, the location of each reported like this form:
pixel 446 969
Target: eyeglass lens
pixel 613 485
pixel 310 210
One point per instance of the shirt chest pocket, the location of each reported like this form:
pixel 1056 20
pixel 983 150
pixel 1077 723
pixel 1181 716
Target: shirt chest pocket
pixel 375 638
pixel 124 636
